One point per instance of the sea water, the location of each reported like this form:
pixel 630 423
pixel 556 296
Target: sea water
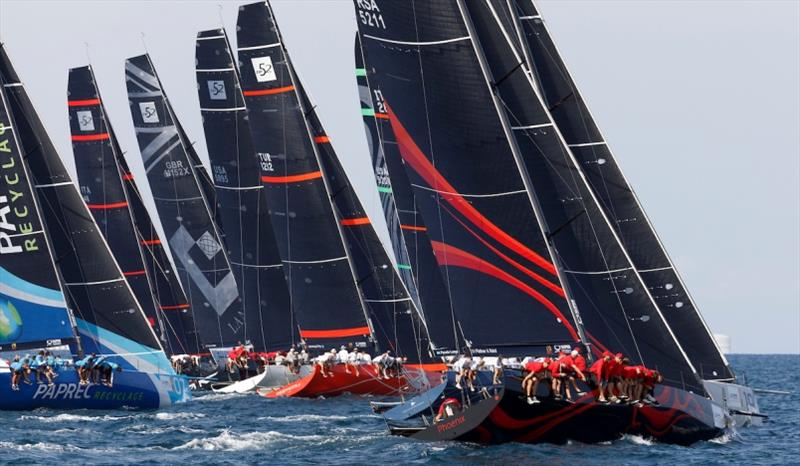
pixel 245 429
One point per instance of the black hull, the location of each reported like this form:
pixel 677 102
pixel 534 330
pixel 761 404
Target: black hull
pixel 503 415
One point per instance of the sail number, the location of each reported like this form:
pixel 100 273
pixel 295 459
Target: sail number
pixel 266 162
pixel 370 14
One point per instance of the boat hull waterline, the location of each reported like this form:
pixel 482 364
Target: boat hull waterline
pixel 503 415
pixel 131 390
pixel 367 382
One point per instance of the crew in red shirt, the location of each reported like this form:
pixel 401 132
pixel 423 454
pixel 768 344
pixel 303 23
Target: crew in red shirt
pixel 578 369
pixel 448 408
pixel 599 371
pixel 537 371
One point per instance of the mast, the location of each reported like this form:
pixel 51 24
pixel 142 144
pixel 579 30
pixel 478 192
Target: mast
pixel 615 193
pixel 588 233
pixel 242 205
pixel 108 317
pixel 195 243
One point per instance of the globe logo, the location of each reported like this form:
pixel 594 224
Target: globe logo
pixel 10 322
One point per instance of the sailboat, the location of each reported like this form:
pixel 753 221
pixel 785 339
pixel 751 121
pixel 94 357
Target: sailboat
pixel 242 209
pixel 186 205
pixel 344 290
pixel 621 205
pixel 61 289
pixel 109 190
pixel 515 212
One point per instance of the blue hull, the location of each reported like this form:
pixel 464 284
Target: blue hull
pixel 131 390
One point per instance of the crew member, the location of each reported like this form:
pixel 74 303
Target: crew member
pixel 537 371
pixel 448 408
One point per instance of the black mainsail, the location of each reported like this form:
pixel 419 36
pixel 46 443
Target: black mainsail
pixel 396 320
pixel 241 203
pixel 467 183
pixel 615 305
pixel 616 196
pixel 325 298
pixel 416 263
pixel 184 210
pixel 110 193
pixel 108 318
pixel 33 311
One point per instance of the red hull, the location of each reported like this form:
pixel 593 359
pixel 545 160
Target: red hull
pixel 366 383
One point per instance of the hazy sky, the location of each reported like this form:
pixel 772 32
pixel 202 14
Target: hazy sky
pixel 699 100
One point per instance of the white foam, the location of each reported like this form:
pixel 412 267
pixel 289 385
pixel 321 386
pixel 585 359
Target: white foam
pixel 226 441
pixel 39 446
pixel 637 440
pixel 171 416
pixel 66 417
pixel 307 417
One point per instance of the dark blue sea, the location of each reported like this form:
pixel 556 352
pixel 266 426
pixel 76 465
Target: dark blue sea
pixel 240 429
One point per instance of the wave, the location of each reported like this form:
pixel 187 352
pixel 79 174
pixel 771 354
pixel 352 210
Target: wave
pixel 308 417
pixel 227 441
pixel 170 416
pixel 39 446
pixel 637 440
pixel 65 417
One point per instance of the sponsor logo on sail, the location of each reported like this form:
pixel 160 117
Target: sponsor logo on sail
pixel 149 112
pixel 262 66
pixel 216 90
pixel 85 120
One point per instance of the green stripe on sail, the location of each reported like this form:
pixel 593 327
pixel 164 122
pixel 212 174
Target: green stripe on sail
pixel 361 72
pixel 367 112
pixel 384 189
pixel 404 266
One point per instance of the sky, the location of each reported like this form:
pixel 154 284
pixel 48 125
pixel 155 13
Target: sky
pixel 699 100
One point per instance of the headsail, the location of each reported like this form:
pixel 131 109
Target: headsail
pixel 109 191
pixel 484 231
pixel 615 194
pixel 241 203
pixel 195 244
pixel 33 311
pixel 325 298
pixel 615 306
pixel 416 263
pixel 108 317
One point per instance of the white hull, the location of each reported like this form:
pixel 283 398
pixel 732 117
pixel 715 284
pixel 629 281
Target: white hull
pixel 273 376
pixel 739 401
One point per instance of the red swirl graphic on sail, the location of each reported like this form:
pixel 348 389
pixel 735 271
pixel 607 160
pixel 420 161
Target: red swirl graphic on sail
pixel 454 257
pixel 414 156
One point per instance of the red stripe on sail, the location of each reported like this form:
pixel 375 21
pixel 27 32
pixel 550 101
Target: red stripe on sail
pixel 90 137
pixel 382 116
pixel 412 154
pixel 454 257
pixel 133 273
pixel 551 286
pixel 174 307
pixel 412 228
pixel 355 221
pixel 274 90
pixel 292 178
pixel 322 139
pixel 114 205
pixel 342 332
pixel 127 176
pixel 83 103
pixel 151 242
